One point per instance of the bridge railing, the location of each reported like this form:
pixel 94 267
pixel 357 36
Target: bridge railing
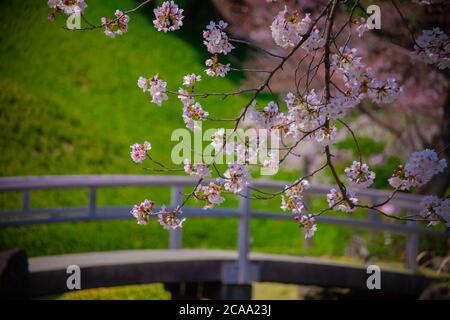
pixel 242 271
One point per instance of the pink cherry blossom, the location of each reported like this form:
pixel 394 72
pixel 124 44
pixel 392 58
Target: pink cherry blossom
pixel 117 26
pixel 288 28
pixel 359 175
pixel 196 169
pixel 337 201
pixel 142 211
pixel 307 222
pixel 169 17
pixel 215 39
pixel 139 151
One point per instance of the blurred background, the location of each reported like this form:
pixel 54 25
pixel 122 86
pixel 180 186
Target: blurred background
pixel 69 104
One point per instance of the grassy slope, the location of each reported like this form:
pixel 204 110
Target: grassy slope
pixel 69 105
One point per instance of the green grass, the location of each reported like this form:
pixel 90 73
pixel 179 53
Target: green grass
pixel 135 292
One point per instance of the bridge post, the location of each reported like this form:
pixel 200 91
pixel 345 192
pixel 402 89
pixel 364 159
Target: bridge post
pixel 26 195
pixel 412 246
pixel 374 217
pixel 92 201
pixel 175 236
pixel 244 238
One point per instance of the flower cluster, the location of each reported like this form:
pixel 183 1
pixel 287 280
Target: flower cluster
pixel 268 118
pixel 215 68
pixel 196 169
pixel 420 168
pixel 217 42
pixel 210 194
pixel 67 7
pixel 305 113
pixel 192 114
pixel 308 115
pixel 117 26
pixel 215 39
pixel 293 196
pixel 308 223
pixel 190 80
pixel 192 111
pixel 434 209
pixel 360 80
pixel 185 98
pixel 314 41
pixel 359 175
pixel 337 201
pixel 169 17
pixel 236 178
pixel 156 88
pixel 139 151
pixel 143 211
pixel 288 28
pixel 361 26
pixel 433 47
pixel 218 141
pixel 169 220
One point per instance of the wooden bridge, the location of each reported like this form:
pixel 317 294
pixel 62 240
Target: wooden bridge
pixel 223 274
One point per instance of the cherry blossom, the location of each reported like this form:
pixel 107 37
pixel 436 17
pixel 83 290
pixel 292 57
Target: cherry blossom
pixel 196 169
pixel 139 151
pixel 337 201
pixel 210 194
pixel 247 151
pixel 218 140
pixel 68 7
pixel 268 118
pixel 434 209
pixel 236 178
pixel 190 79
pixel 361 26
pixel 305 113
pixel 308 223
pixel 143 83
pixel 314 41
pixel 359 175
pixel 420 168
pixel 216 69
pixel 347 61
pixel 272 162
pixel 361 81
pixel 338 106
pixel 169 17
pixel 142 211
pixel 169 220
pixel 215 39
pixel 288 28
pixel 293 196
pixel 192 114
pixel 156 88
pixel 325 135
pixel 117 26
pixel 185 98
pixel 433 47
pixel 384 92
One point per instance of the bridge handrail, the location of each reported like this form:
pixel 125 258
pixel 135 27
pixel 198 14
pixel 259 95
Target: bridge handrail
pixel 29 183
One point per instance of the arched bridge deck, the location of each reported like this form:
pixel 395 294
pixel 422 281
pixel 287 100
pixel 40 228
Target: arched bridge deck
pixel 105 269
